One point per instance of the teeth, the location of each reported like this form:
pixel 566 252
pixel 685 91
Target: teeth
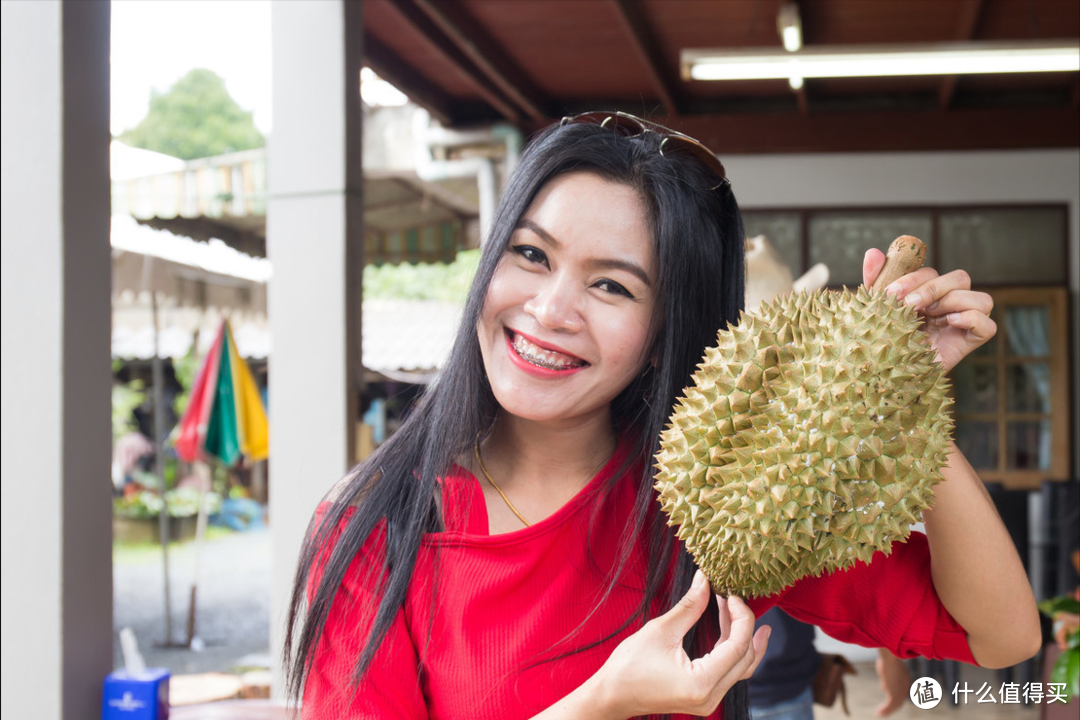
pixel 544 358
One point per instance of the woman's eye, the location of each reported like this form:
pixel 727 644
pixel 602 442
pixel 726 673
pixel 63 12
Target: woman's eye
pixel 610 286
pixel 530 253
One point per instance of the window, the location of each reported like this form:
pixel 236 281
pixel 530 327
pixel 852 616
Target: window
pixel 1012 395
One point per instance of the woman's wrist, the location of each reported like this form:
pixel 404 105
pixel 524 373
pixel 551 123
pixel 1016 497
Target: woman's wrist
pixel 593 699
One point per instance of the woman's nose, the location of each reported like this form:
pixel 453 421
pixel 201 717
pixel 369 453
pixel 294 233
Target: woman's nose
pixel 555 305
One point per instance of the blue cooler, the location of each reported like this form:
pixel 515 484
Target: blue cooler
pixel 136 697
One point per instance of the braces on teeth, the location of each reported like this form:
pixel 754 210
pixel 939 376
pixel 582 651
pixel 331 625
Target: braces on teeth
pixel 522 347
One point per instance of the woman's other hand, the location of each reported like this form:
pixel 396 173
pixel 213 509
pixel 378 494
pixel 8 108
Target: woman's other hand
pixel 956 318
pixel 650 673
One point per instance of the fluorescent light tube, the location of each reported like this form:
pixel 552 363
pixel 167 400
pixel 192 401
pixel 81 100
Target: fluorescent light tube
pixel 880 61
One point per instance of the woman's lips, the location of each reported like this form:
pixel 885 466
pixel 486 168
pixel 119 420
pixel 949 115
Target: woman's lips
pixel 542 357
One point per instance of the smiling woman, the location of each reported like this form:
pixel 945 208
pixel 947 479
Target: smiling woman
pixel 503 554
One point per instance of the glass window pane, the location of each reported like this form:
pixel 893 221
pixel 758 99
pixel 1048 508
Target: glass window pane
pixel 1009 246
pixel 840 239
pixel 1027 329
pixel 979 443
pixel 1028 387
pixel 975 388
pixel 1027 445
pixel 783 230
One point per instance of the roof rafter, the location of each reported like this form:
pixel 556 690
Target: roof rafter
pixel 648 50
pixel 886 130
pixel 419 20
pixel 970 13
pixel 473 41
pixel 394 70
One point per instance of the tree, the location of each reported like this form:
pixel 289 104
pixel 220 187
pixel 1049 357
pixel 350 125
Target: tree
pixel 195 118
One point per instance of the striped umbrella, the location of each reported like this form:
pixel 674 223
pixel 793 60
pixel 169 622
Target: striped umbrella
pixel 224 418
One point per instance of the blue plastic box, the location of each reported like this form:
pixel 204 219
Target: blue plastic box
pixel 136 697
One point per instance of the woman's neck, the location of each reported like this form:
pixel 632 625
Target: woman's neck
pixel 544 465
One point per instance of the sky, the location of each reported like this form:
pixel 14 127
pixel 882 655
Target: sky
pixel 156 42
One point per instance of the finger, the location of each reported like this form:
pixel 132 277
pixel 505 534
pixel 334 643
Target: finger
pixel 733 654
pixel 738 661
pixel 979 327
pixel 929 292
pixel 677 621
pixel 960 300
pixel 761 644
pixel 872 263
pixel 725 617
pixel 907 285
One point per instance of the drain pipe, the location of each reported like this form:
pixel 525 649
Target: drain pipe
pixel 426 136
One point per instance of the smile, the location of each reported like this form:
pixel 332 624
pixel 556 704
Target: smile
pixel 542 357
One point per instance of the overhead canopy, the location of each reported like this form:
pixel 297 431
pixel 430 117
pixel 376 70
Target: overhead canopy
pixel 531 61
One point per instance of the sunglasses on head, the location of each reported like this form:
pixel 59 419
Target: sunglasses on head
pixel 628 125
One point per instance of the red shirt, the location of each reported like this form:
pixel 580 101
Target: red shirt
pixel 505 604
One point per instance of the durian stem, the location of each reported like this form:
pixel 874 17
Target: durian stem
pixel 905 255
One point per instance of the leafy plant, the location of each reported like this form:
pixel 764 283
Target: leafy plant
pixel 447 282
pixel 1067 668
pixel 125 398
pixel 195 118
pixel 183 502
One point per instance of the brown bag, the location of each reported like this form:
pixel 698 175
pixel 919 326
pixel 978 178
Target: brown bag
pixel 829 681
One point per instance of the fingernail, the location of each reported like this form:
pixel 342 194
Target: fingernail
pixel 699 580
pixel 894 289
pixel 953 317
pixel 913 300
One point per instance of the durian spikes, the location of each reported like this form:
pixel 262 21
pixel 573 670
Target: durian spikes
pixel 810 439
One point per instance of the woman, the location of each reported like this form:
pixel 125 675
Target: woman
pixel 503 556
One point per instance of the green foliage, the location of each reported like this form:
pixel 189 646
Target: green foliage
pixel 1066 670
pixel 195 118
pixel 183 502
pixel 125 398
pixel 438 281
pixel 185 369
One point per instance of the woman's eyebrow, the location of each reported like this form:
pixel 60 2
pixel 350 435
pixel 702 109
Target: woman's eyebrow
pixel 541 232
pixel 602 263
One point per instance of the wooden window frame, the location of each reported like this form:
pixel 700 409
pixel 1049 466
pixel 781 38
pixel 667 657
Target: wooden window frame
pixel 1055 300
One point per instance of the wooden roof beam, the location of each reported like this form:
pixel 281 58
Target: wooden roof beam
pixel 885 131
pixel 970 12
pixel 475 43
pixel 421 23
pixel 648 50
pixel 395 71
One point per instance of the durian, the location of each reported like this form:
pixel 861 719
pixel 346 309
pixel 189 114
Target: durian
pixel 810 439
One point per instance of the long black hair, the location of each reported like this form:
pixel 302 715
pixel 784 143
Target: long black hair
pixel 698 243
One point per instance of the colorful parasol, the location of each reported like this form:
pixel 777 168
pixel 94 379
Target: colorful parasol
pixel 224 418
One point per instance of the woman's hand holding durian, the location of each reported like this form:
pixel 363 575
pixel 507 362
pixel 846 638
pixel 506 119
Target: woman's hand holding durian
pixel 649 673
pixel 956 318
pixel 976 570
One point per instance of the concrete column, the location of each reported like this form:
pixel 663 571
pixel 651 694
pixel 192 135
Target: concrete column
pixel 56 494
pixel 315 241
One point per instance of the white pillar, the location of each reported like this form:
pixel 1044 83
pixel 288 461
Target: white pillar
pixel 56 493
pixel 315 241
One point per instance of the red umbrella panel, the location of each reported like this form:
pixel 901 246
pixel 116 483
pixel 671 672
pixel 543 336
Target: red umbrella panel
pixel 225 417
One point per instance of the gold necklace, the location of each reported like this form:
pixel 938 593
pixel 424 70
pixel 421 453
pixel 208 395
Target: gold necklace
pixel 497 488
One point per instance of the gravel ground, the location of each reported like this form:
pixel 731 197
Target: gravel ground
pixel 233 602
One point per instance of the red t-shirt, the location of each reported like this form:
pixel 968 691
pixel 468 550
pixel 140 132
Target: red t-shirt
pixel 505 605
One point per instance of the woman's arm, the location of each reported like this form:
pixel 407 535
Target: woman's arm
pixel 975 568
pixel 650 673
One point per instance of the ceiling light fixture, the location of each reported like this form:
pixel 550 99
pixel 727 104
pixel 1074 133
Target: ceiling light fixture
pixel 882 60
pixel 789 26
